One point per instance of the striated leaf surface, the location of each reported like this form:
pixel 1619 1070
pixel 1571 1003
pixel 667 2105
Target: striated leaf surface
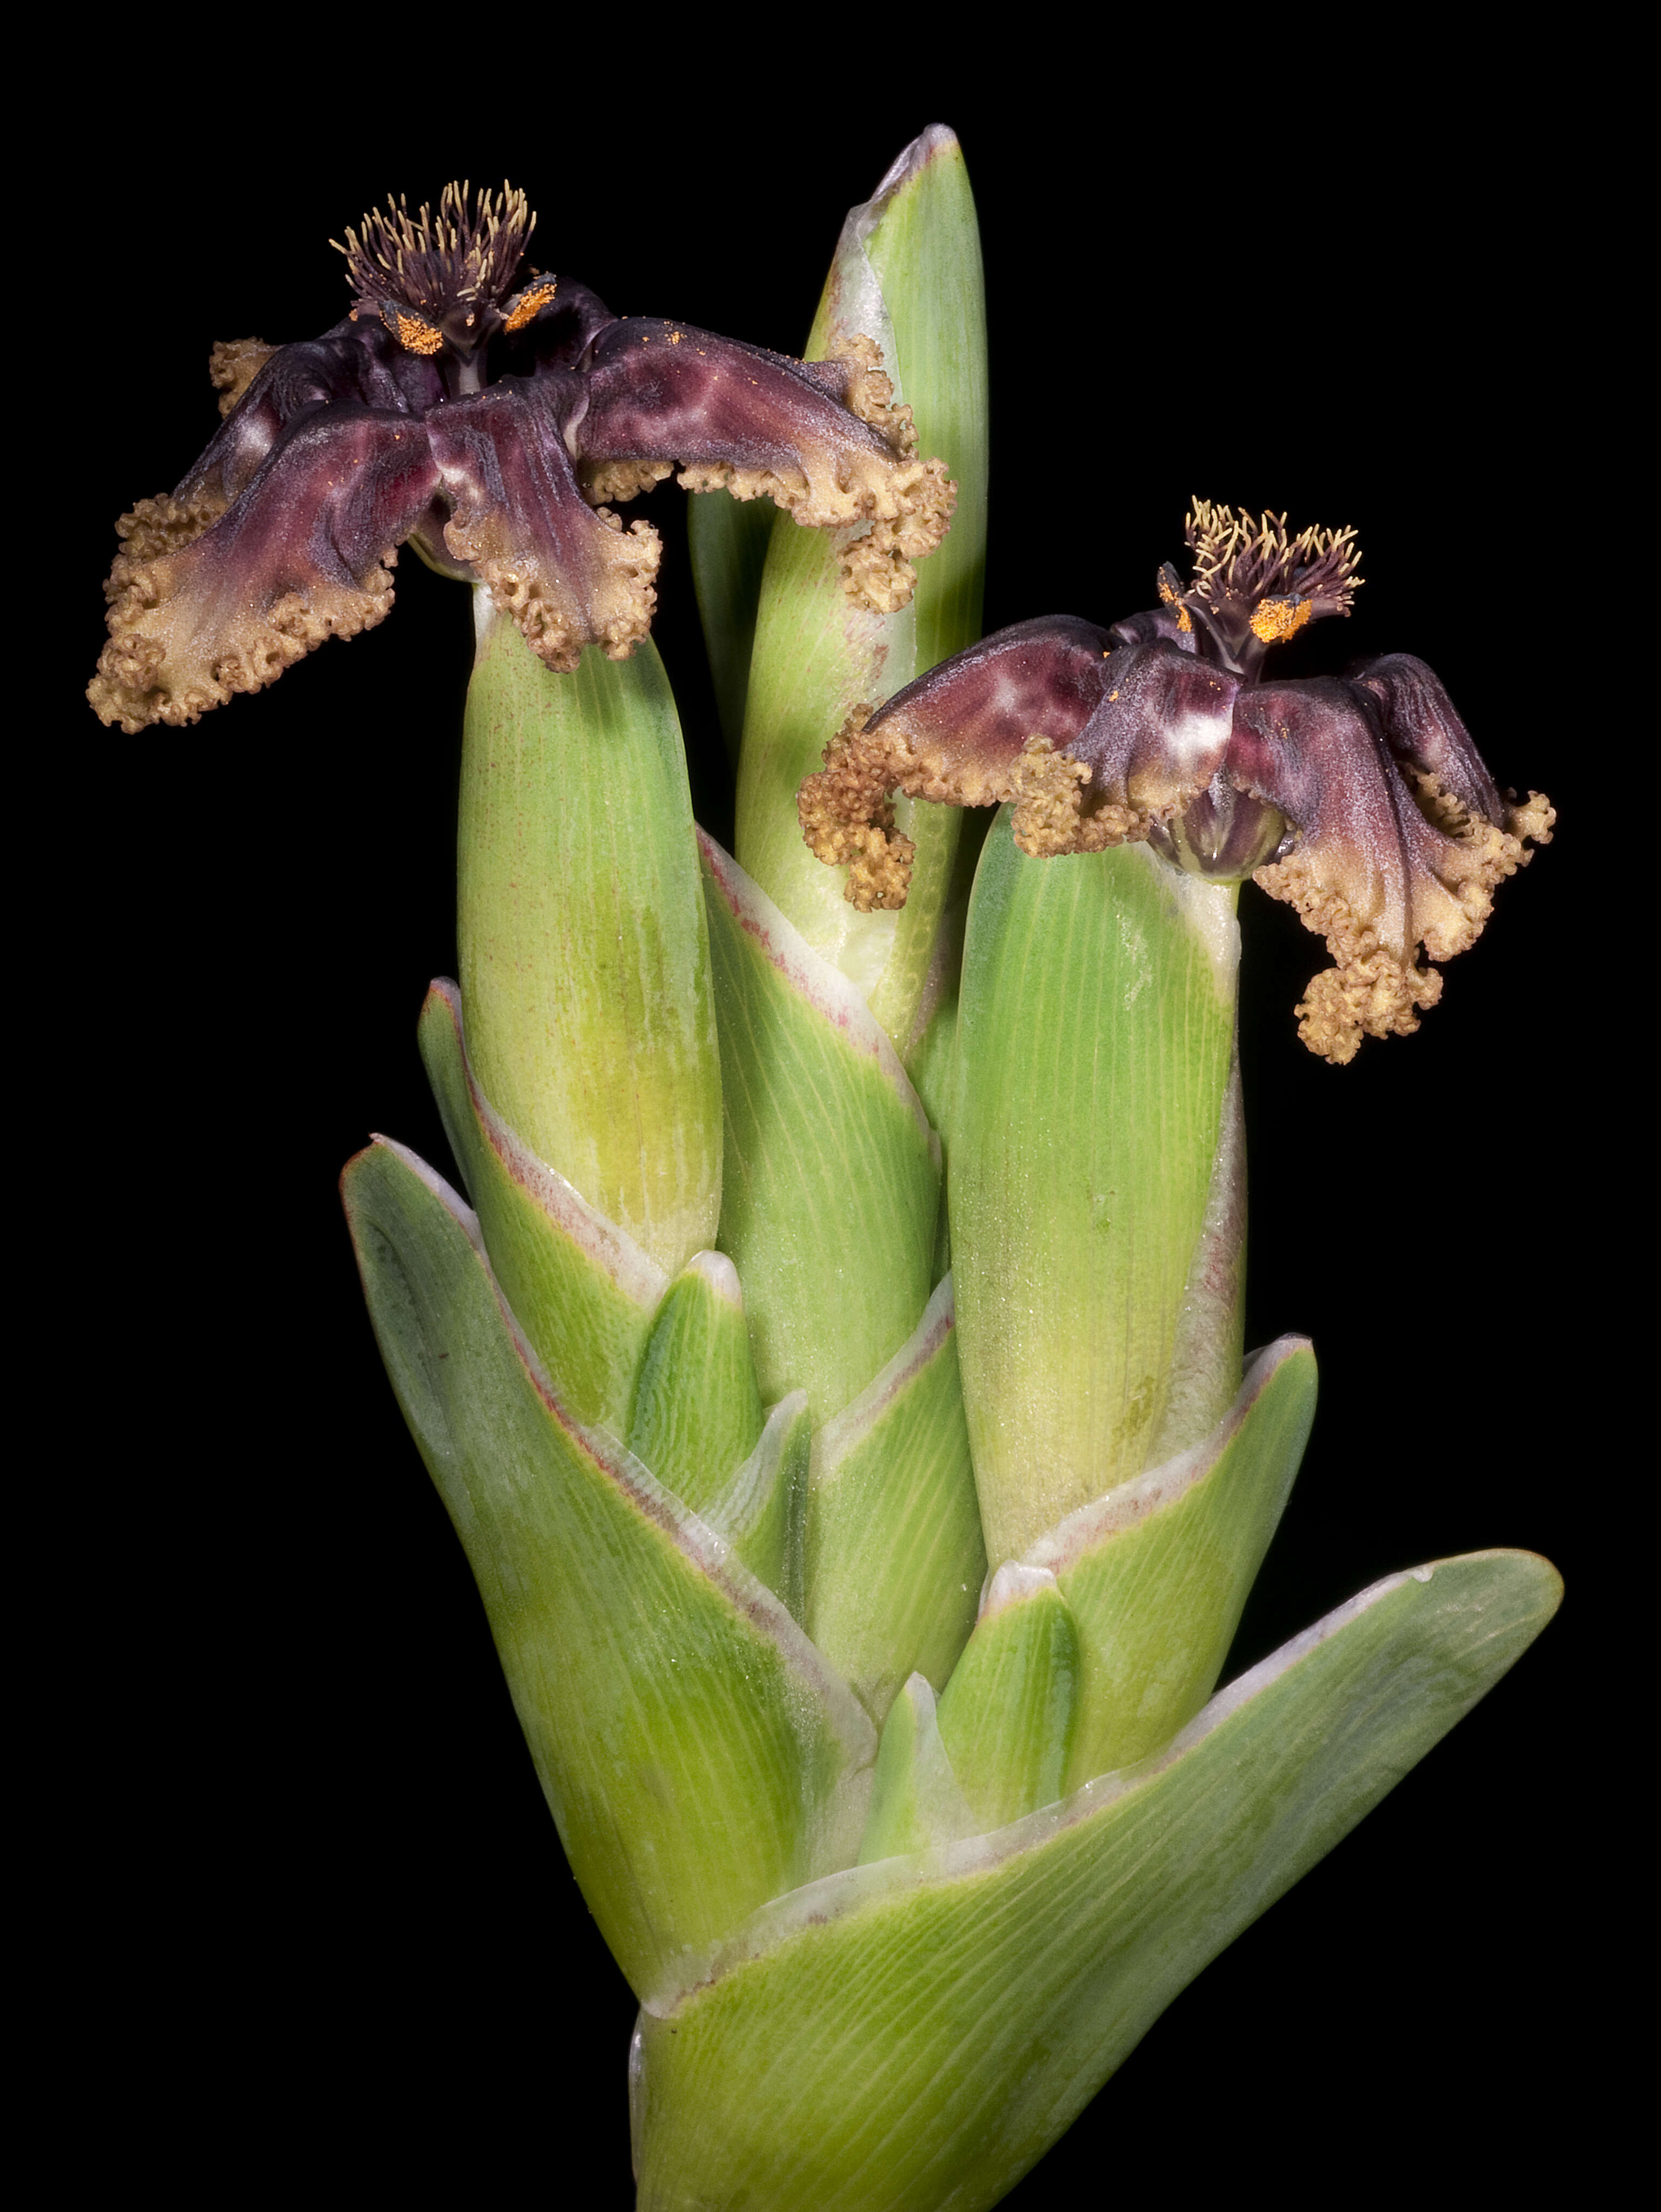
pixel 696 1414
pixel 914 2034
pixel 907 274
pixel 581 1288
pixel 697 1753
pixel 831 1179
pixel 1156 1572
pixel 1095 1035
pixel 894 1559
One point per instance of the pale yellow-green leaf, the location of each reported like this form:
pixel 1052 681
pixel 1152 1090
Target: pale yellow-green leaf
pixel 914 2034
pixel 696 1752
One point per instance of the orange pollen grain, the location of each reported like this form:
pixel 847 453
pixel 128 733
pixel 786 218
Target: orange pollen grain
pixel 416 336
pixel 529 305
pixel 1275 619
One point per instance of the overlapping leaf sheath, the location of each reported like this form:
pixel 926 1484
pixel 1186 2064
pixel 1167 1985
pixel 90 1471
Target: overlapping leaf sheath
pixel 1095 1032
pixel 980 1993
pixel 831 1190
pixel 583 1292
pixel 831 1173
pixel 698 1755
pixel 584 959
pixel 895 1561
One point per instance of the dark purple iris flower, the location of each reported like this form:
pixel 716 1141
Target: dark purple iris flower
pixel 487 426
pixel 1360 801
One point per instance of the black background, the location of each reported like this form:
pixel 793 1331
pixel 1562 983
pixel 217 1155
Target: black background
pixel 331 1918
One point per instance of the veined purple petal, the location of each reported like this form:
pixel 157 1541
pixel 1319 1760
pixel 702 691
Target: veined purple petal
pixel 354 364
pixel 1095 743
pixel 1421 727
pixel 303 553
pixel 568 575
pixel 1370 872
pixel 821 440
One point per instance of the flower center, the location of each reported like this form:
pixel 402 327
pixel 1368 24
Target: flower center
pixel 1254 585
pixel 440 282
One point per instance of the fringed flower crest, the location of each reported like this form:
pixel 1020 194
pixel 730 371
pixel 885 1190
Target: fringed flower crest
pixel 1361 802
pixel 490 418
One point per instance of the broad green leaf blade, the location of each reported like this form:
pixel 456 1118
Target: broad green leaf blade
pixel 1095 1036
pixel 1009 1713
pixel 762 1508
pixel 916 1804
pixel 915 2034
pixel 728 539
pixel 832 1177
pixel 907 274
pixel 894 1559
pixel 697 1753
pixel 697 1413
pixel 1156 1573
pixel 583 1292
pixel 585 960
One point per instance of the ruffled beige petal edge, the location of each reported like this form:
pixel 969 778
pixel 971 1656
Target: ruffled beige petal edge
pixel 895 507
pixel 847 817
pixel 1377 989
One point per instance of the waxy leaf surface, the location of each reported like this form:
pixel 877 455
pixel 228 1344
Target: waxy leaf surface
pixel 907 274
pixel 1097 1005
pixel 831 1179
pixel 894 1559
pixel 583 1291
pixel 585 962
pixel 1157 1572
pixel 698 1755
pixel 914 2034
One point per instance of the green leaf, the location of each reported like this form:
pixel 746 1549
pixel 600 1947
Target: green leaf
pixel 916 2034
pixel 1095 1038
pixel 907 273
pixel 916 1804
pixel 832 1174
pixel 894 1559
pixel 760 1511
pixel 729 540
pixel 697 1413
pixel 697 1753
pixel 1008 1712
pixel 583 1292
pixel 585 961
pixel 1156 1572
pixel 1207 1359
pixel 922 242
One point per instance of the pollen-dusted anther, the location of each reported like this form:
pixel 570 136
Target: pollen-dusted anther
pixel 413 333
pixel 529 304
pixel 1273 621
